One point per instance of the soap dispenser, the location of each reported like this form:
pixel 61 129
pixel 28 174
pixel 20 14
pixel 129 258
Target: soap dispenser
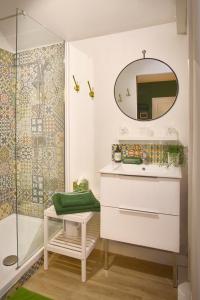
pixel 117 154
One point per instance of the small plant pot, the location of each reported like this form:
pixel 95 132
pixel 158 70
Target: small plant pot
pixel 173 158
pixel 83 186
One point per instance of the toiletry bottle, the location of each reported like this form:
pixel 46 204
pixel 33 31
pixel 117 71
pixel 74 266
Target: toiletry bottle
pixel 117 154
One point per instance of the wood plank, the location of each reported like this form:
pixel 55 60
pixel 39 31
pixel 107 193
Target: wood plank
pixel 127 278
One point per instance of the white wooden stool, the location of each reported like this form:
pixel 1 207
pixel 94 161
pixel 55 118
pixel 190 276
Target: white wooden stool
pixel 78 247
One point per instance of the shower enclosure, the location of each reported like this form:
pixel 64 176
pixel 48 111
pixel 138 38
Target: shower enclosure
pixel 31 138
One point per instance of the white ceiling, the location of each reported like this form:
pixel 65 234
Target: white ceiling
pixel 80 19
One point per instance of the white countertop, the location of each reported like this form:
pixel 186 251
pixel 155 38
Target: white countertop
pixel 149 170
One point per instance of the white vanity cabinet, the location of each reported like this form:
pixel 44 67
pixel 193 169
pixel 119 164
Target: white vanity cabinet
pixel 141 209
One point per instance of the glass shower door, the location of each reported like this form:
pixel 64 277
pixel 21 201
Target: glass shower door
pixel 39 129
pixel 8 248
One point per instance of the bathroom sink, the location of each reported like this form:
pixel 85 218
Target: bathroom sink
pixel 142 170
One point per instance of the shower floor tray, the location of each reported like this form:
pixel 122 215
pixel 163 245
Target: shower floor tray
pixel 9 275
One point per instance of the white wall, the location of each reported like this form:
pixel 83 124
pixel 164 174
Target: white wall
pixel 80 118
pixel 110 55
pixel 4 44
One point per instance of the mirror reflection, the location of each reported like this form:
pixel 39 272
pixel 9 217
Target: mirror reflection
pixel 146 89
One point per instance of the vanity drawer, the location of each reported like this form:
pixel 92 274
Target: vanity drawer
pixel 160 195
pixel 140 228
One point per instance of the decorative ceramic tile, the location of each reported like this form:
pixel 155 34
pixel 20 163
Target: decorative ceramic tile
pixel 38 188
pixel 155 152
pixel 6 209
pixel 31 271
pixel 7 134
pixel 37 125
pixel 39 128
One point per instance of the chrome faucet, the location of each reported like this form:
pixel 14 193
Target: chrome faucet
pixel 144 157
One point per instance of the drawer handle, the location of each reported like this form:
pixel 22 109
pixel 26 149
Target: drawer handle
pixel 138 212
pixel 143 176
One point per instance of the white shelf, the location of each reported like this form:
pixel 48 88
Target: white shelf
pixel 71 245
pixel 145 138
pixel 77 246
pixel 78 217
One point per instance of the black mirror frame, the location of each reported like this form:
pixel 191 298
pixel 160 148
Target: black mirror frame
pixel 177 92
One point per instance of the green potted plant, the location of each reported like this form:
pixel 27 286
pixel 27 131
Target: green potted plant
pixel 175 155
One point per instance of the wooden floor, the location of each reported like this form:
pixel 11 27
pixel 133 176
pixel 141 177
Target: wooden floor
pixel 127 278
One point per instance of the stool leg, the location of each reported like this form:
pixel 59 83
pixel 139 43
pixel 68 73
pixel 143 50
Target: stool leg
pixel 45 242
pixel 83 246
pixel 106 254
pixel 83 270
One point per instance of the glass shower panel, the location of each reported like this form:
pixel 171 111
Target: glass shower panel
pixel 39 130
pixel 8 248
pixel 7 116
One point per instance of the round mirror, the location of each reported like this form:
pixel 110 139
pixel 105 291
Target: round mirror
pixel 146 89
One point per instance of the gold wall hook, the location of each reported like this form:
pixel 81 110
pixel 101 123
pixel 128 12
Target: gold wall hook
pixel 91 93
pixel 127 92
pixel 77 86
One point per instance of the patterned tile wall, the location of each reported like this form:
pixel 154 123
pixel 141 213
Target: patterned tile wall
pixel 156 153
pixel 7 134
pixel 40 128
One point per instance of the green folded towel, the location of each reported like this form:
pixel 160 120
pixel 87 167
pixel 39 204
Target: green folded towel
pixel 132 160
pixel 69 203
pixel 75 198
pixel 62 211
